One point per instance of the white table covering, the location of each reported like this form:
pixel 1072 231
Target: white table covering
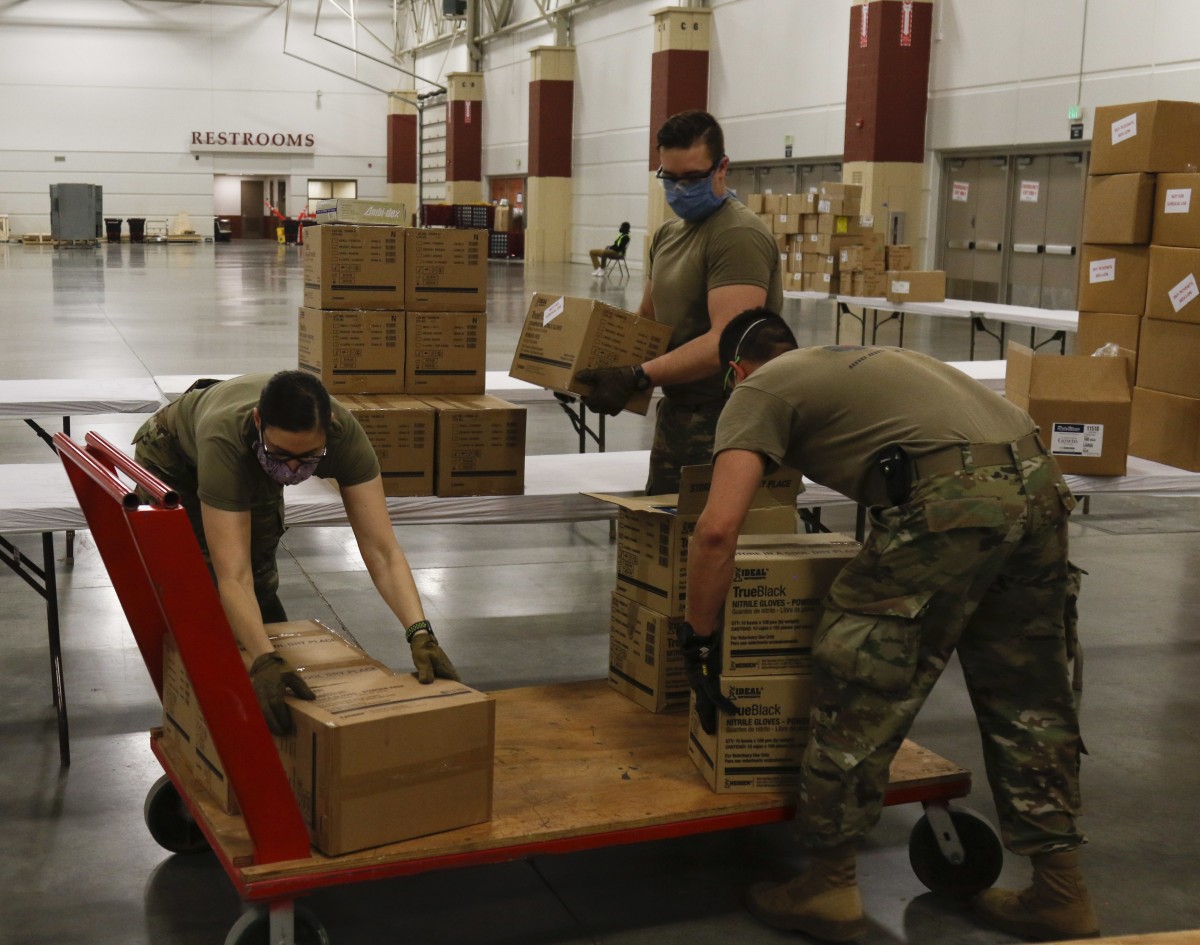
pixel 76 396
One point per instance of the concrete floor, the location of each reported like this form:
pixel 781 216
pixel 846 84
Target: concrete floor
pixel 514 605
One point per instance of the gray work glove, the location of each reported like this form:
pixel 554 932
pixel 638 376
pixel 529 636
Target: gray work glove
pixel 271 679
pixel 611 388
pixel 427 656
pixel 702 664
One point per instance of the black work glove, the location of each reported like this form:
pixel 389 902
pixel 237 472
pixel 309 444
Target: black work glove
pixel 271 679
pixel 611 388
pixel 427 656
pixel 702 663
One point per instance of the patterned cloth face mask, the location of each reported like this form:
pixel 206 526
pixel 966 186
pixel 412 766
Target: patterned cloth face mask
pixel 275 463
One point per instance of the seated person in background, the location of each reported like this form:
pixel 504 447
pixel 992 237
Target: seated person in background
pixel 228 448
pixel 616 251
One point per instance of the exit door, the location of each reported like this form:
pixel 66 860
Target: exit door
pixel 1047 213
pixel 975 197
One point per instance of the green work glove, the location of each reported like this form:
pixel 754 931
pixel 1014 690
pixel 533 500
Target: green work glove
pixel 611 388
pixel 271 679
pixel 702 664
pixel 429 659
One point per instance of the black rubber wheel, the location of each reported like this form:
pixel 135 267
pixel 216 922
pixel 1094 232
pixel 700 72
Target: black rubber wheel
pixel 983 855
pixel 254 928
pixel 170 822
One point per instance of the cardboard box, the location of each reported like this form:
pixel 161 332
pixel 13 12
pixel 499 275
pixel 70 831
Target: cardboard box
pixel 916 286
pixel 354 267
pixel 870 283
pixel 501 219
pixel 1113 278
pixel 774 203
pixel 480 447
pixel 1169 357
pixel 1119 208
pixel 1166 429
pixel 776 600
pixel 653 533
pixel 874 251
pixel 785 223
pixel 847 197
pixel 360 211
pixel 898 257
pixel 445 270
pixel 1172 291
pixel 1158 137
pixel 759 748
pixel 353 352
pixel 850 258
pixel 1177 210
pixel 401 428
pixel 754 203
pixel 1081 405
pixel 821 243
pixel 1097 329
pixel 645 663
pixel 564 335
pixel 445 352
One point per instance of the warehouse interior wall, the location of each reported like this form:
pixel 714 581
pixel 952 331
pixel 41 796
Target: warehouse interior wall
pixel 109 92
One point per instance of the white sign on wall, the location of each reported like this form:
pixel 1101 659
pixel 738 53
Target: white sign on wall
pixel 1029 191
pixel 960 191
pixel 254 142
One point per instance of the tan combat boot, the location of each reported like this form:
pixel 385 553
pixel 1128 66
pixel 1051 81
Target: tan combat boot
pixel 1055 906
pixel 823 901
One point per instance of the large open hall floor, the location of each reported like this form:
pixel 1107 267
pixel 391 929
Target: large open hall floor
pixel 514 605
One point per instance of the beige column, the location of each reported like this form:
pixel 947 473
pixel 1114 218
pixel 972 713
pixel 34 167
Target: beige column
pixel 896 194
pixel 549 188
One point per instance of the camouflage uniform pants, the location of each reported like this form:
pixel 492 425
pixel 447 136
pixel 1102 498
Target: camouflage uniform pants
pixel 683 436
pixel 974 562
pixel 155 449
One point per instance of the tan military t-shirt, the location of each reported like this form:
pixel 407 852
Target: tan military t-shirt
pixel 830 411
pixel 214 428
pixel 688 260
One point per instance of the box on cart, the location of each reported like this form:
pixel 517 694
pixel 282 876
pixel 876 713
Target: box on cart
pixel 645 663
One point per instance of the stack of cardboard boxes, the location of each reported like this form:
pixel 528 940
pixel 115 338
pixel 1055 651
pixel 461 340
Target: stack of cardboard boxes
pixel 1138 274
pixel 827 245
pixel 394 323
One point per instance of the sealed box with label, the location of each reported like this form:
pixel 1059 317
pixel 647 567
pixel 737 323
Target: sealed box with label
pixel 1169 357
pixel 1172 291
pixel 776 599
pixel 353 352
pixel 1112 278
pixel 1119 208
pixel 445 352
pixel 1177 210
pixel 1097 329
pixel 1158 137
pixel 401 429
pixel 898 257
pixel 758 748
pixel 361 211
pixel 916 286
pixel 445 270
pixel 653 532
pixel 1081 405
pixel 480 446
pixel 354 267
pixel 645 663
pixel 1166 428
pixel 562 336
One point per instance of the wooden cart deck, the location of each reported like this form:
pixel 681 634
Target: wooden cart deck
pixel 577 766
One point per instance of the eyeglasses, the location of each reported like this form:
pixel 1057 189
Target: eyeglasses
pixel 690 177
pixel 283 456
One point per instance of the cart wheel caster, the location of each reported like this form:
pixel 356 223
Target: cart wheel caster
pixel 983 855
pixel 254 928
pixel 170 822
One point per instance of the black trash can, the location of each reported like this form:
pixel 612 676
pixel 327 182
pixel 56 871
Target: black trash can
pixel 112 229
pixel 290 229
pixel 137 229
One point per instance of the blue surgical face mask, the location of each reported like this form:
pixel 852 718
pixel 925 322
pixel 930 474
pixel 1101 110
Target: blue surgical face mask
pixel 693 200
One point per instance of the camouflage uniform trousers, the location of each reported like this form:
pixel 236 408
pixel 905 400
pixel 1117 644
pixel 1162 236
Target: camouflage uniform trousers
pixel 156 451
pixel 683 436
pixel 975 561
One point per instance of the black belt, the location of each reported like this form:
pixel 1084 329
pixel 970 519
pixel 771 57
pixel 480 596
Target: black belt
pixel 954 459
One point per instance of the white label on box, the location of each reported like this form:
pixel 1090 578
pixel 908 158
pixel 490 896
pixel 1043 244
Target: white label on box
pixel 1185 292
pixel 1077 439
pixel 823 206
pixel 899 287
pixel 1178 200
pixel 845 256
pixel 1124 128
pixel 866 221
pixel 1103 270
pixel 553 310
pixel 960 191
pixel 1029 191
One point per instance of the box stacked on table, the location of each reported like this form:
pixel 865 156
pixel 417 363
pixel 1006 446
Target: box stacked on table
pixel 771 615
pixel 376 758
pixel 1140 264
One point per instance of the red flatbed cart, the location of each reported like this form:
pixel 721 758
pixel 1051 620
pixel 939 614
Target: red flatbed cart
pixel 576 766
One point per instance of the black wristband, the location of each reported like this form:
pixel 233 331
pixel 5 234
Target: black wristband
pixel 641 380
pixel 417 628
